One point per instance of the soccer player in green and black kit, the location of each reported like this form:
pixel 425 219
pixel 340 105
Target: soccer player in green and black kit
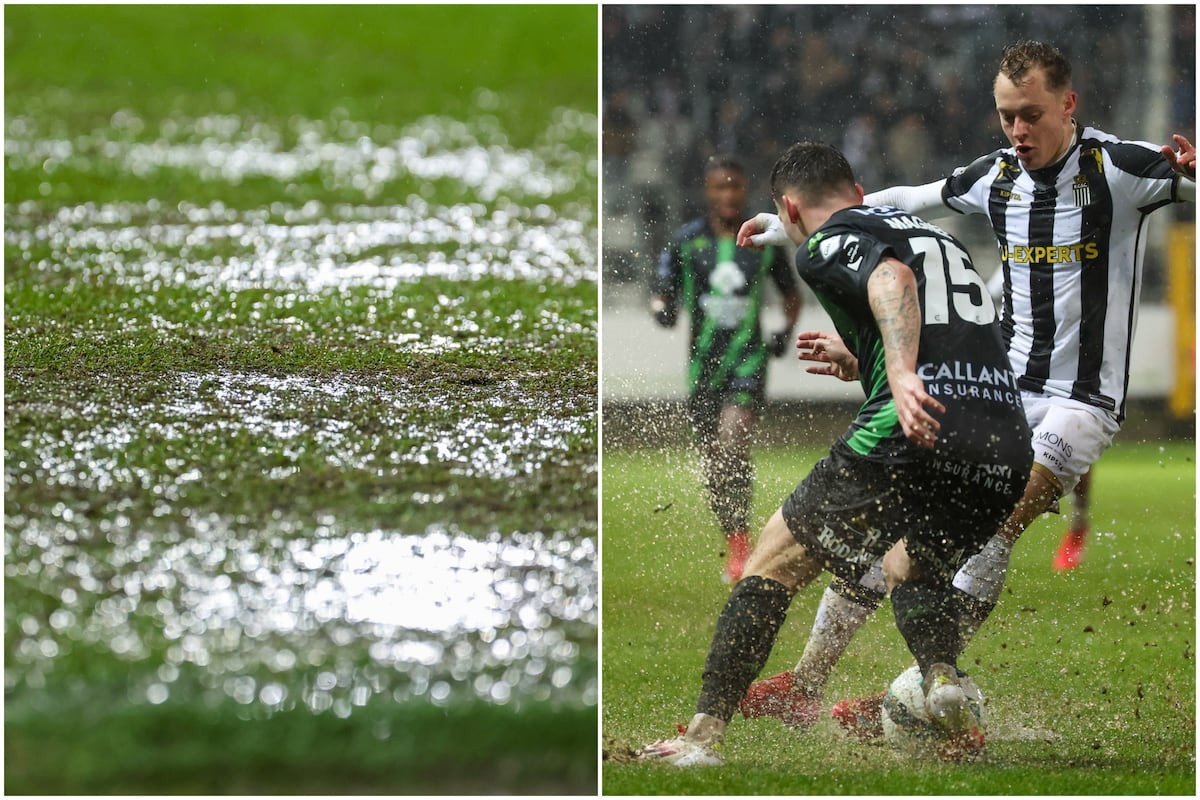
pixel 721 286
pixel 917 483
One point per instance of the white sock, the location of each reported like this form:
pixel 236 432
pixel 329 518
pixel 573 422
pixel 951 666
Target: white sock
pixel 982 577
pixel 838 619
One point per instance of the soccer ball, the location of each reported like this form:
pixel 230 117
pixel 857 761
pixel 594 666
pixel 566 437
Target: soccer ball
pixel 908 728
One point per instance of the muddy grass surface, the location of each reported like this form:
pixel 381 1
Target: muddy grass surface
pixel 300 420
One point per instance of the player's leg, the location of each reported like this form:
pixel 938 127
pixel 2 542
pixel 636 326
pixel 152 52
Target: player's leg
pixel 741 643
pixel 1070 549
pixel 746 629
pixel 726 477
pixel 981 579
pixel 731 484
pixel 1068 438
pixel 835 518
pixel 794 696
pixel 950 513
pixel 925 606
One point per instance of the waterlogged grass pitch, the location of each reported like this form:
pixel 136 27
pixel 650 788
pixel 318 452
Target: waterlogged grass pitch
pixel 1089 676
pixel 299 419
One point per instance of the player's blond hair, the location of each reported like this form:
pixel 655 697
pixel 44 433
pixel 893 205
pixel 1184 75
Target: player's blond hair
pixel 1021 57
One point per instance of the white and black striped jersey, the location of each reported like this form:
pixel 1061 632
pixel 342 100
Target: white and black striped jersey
pixel 1072 240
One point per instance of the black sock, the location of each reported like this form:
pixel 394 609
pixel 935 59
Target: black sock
pixel 741 643
pixel 927 616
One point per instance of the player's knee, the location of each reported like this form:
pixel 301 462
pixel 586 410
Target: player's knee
pixel 779 557
pixel 736 424
pixel 898 567
pixel 794 573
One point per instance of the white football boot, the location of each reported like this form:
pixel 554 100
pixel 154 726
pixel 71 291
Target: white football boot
pixel 945 701
pixel 681 752
pixel 948 707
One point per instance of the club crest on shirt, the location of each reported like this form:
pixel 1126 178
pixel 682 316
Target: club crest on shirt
pixel 724 305
pixel 1082 191
pixel 1008 171
pixel 727 279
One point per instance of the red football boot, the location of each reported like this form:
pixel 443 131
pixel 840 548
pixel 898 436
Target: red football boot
pixel 738 545
pixel 778 696
pixel 1070 550
pixel 861 717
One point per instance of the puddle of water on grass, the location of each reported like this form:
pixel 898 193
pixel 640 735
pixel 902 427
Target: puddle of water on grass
pixel 289 612
pixel 307 612
pixel 315 615
pixel 344 155
pixel 272 615
pixel 520 224
pixel 496 432
pixel 314 251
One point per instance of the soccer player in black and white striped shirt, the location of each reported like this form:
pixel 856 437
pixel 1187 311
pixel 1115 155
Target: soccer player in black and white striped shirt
pixel 1069 205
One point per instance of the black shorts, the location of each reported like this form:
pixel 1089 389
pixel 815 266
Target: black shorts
pixel 849 511
pixel 704 405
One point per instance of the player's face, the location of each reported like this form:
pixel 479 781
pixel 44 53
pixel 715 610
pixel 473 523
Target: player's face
pixel 725 190
pixel 1036 120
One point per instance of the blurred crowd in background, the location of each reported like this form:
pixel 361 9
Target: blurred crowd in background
pixel 904 91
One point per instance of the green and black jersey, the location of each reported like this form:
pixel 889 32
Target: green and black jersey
pixel 721 286
pixel 961 357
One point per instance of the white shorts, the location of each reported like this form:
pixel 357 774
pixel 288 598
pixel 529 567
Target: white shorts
pixel 1068 436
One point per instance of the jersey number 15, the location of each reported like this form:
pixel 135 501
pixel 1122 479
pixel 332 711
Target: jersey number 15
pixel 949 276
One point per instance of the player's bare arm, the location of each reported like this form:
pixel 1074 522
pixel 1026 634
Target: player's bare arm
pixel 1183 161
pixel 892 293
pixel 830 352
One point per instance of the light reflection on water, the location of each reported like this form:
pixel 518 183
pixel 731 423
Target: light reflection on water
pixel 344 155
pixel 503 617
pixel 234 250
pixel 312 613
pixel 522 220
pixel 498 431
pixel 280 612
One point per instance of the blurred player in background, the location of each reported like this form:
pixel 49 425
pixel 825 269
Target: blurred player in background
pixel 722 288
pixel 915 481
pixel 1069 205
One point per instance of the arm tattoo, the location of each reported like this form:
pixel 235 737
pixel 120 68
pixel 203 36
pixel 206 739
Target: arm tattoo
pixel 892 293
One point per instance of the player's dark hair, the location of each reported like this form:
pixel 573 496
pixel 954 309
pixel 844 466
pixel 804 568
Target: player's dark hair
pixel 814 169
pixel 724 161
pixel 1021 57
